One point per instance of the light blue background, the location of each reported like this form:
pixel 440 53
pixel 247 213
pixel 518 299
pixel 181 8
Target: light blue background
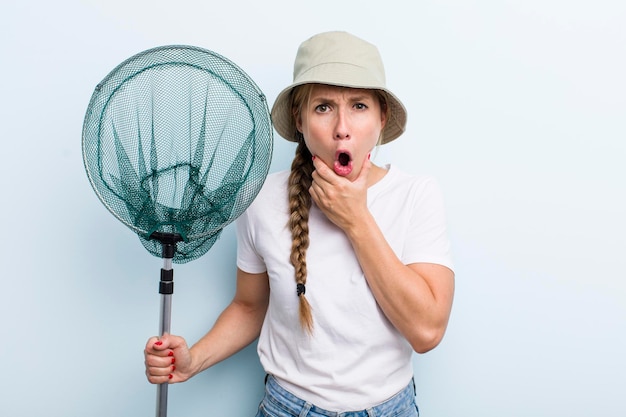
pixel 517 107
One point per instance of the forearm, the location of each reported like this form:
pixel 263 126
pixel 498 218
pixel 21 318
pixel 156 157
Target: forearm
pixel 416 299
pixel 237 327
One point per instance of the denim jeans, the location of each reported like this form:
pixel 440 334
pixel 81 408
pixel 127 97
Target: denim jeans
pixel 279 402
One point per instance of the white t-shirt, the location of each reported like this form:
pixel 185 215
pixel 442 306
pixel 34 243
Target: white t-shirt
pixel 355 358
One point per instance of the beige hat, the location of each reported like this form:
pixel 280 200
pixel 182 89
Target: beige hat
pixel 341 59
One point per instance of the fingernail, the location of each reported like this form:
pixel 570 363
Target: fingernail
pixel 369 155
pixel 171 353
pixel 173 360
pixel 173 368
pixel 314 157
pixel 159 343
pixel 170 376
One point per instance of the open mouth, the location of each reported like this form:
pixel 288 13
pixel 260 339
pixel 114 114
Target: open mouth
pixel 343 163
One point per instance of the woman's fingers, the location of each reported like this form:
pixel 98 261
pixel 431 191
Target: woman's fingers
pixel 159 358
pixel 160 374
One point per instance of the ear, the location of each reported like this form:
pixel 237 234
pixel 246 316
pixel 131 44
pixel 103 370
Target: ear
pixel 298 121
pixel 383 117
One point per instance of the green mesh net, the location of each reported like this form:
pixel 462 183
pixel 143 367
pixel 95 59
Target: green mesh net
pixel 177 141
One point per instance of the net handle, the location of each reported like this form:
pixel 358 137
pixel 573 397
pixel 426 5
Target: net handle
pixel 166 289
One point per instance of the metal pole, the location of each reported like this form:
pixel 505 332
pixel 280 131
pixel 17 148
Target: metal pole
pixel 166 289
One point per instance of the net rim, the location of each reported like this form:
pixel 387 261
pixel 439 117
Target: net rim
pixel 109 80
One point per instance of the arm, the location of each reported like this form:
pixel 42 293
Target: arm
pixel 416 298
pixel 169 359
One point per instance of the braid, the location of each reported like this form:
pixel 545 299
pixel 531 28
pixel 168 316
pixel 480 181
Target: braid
pixel 299 206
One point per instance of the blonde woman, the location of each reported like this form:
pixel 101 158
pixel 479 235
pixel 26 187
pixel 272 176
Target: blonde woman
pixel 343 266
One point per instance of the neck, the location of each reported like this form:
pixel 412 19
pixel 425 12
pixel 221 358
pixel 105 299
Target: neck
pixel 376 174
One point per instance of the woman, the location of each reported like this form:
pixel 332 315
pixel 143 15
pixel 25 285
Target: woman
pixel 343 267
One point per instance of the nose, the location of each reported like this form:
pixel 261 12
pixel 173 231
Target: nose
pixel 342 126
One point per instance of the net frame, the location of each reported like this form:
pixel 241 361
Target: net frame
pixel 133 139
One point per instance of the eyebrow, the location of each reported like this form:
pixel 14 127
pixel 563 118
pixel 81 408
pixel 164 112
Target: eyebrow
pixel 356 97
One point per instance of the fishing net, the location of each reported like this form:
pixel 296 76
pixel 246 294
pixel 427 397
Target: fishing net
pixel 177 142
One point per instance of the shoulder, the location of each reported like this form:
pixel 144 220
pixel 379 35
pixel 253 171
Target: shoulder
pixel 275 180
pixel 273 194
pixel 280 177
pixel 399 181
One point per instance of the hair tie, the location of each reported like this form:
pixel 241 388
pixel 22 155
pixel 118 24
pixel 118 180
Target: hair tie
pixel 300 289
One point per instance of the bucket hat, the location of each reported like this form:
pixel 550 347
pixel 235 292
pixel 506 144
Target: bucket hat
pixel 340 59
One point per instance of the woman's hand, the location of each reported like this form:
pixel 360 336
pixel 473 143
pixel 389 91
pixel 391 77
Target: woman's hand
pixel 167 359
pixel 341 200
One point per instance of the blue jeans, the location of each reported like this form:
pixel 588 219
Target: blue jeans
pixel 279 402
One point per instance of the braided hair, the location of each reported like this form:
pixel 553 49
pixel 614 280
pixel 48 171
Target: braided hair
pixel 300 181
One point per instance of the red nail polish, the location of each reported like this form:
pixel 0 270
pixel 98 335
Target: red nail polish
pixel 173 360
pixel 171 353
pixel 170 376
pixel 314 157
pixel 173 368
pixel 369 155
pixel 159 343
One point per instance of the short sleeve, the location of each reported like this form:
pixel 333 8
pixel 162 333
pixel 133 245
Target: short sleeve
pixel 248 259
pixel 427 237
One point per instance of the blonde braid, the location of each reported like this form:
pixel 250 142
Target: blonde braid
pixel 299 206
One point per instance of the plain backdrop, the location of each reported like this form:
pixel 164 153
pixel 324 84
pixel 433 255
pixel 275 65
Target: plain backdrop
pixel 517 107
